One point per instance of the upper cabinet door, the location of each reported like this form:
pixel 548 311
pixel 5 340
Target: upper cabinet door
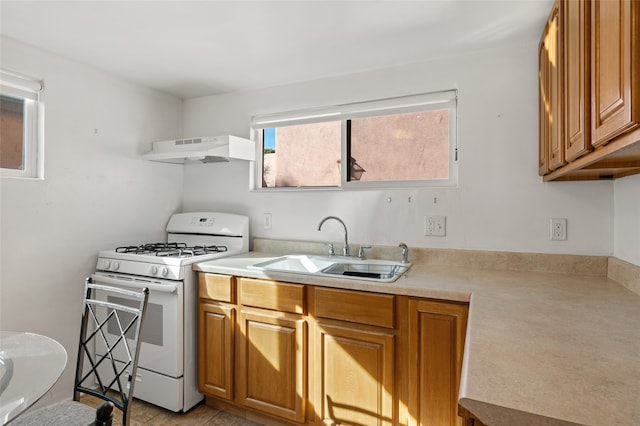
pixel 554 47
pixel 577 83
pixel 543 114
pixel 615 67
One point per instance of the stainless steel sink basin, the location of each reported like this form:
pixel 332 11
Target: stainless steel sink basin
pixel 364 270
pixel 336 267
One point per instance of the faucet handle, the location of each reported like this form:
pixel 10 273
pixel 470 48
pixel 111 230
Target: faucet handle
pixel 332 250
pixel 405 252
pixel 361 251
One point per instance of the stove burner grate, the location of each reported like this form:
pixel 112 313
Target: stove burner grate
pixel 150 248
pixel 171 249
pixel 191 251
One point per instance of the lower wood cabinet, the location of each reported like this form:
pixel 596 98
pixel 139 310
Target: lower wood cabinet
pixel 353 375
pixel 436 343
pixel 353 357
pixel 272 356
pixel 216 335
pixel 286 353
pixel 216 325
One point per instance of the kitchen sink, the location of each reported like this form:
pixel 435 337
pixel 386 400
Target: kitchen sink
pixel 336 267
pixel 301 264
pixel 366 270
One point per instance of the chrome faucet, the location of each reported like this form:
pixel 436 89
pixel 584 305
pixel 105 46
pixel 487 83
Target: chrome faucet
pixel 405 252
pixel 345 249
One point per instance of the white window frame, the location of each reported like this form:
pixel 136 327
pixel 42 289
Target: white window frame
pixel 421 102
pixel 31 91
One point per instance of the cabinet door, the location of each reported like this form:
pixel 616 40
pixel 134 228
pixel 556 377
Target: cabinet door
pixel 436 342
pixel 353 374
pixel 577 83
pixel 215 349
pixel 272 352
pixel 543 113
pixel 553 47
pixel 615 65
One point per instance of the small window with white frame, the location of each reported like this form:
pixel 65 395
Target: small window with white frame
pixel 407 141
pixel 21 126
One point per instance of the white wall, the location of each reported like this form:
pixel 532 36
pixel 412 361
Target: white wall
pixel 627 219
pixel 501 203
pixel 97 193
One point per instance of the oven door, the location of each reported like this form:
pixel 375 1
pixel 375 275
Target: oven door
pixel 162 331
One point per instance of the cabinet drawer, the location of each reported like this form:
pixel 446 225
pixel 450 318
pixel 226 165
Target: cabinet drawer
pixel 273 295
pixel 354 306
pixel 216 287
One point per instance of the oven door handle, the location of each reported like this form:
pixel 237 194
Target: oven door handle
pixel 169 288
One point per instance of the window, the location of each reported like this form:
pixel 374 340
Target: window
pixel 399 142
pixel 21 117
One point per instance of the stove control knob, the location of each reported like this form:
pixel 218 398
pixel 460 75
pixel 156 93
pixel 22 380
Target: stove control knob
pixel 153 270
pixel 116 265
pixel 164 271
pixel 106 264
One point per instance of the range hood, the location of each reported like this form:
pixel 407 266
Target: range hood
pixel 206 149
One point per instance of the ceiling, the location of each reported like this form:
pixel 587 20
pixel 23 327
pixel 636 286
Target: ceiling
pixel 200 48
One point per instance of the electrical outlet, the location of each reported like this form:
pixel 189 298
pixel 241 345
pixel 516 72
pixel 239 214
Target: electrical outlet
pixel 266 221
pixel 435 226
pixel 558 229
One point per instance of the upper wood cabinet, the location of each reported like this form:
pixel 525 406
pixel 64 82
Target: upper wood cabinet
pixel 577 85
pixel 615 60
pixel 553 43
pixel 543 114
pixel 589 68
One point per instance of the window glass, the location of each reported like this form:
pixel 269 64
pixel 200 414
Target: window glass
pixel 397 142
pixel 412 146
pixel 21 126
pixel 302 156
pixel 12 119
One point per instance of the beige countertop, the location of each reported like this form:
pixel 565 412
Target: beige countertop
pixel 541 348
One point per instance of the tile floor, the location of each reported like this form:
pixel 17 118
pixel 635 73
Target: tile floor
pixel 143 413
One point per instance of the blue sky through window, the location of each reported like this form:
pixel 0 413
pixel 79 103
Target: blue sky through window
pixel 269 138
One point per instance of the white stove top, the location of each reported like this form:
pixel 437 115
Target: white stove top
pixel 176 259
pixel 191 238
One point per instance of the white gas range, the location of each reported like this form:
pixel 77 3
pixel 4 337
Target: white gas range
pixel 167 368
